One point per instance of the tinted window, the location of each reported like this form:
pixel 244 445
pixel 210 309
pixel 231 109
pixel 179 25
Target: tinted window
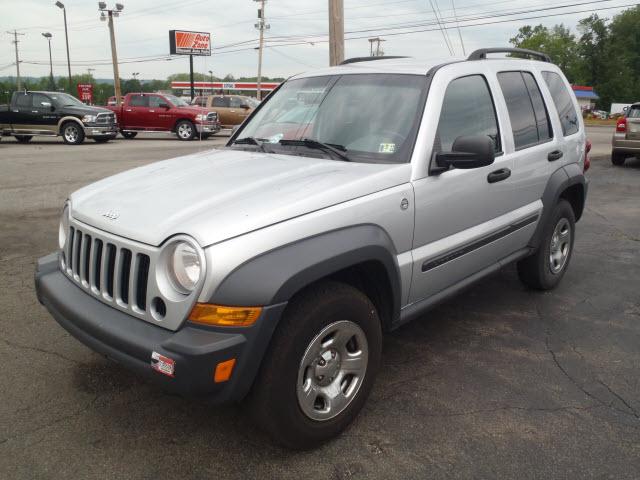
pixel 235 102
pixel 155 101
pixel 138 101
pixel 24 100
pixel 563 102
pixel 467 110
pixel 539 109
pixel 220 102
pixel 634 112
pixel 39 99
pixel 521 114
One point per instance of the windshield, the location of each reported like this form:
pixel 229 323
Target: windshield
pixel 177 102
pixel 371 117
pixel 63 99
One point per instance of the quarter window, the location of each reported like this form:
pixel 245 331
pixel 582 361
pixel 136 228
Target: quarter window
pixel 562 101
pixel 467 110
pixel 528 115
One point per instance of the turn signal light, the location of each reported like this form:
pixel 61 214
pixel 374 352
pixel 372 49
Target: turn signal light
pixel 221 316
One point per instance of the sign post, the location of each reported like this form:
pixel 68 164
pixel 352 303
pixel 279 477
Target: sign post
pixel 184 42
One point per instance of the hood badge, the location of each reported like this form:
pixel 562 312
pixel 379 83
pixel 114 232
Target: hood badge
pixel 111 214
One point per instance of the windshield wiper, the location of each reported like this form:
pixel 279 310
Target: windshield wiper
pixel 250 141
pixel 332 148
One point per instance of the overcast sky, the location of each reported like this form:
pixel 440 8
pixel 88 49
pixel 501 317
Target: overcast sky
pixel 141 31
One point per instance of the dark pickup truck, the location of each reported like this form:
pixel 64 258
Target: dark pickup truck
pixel 54 113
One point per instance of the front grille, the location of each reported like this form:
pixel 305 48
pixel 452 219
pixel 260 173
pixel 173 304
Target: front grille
pixel 113 272
pixel 105 119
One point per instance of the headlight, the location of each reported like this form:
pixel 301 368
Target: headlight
pixel 201 118
pixel 63 228
pixel 89 118
pixel 184 267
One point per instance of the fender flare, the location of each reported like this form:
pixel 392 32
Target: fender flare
pixel 563 178
pixel 275 276
pixel 63 120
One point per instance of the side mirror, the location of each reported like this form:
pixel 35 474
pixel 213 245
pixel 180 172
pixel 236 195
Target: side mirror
pixel 244 106
pixel 468 152
pixel 166 106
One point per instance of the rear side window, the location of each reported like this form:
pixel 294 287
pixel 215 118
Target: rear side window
pixel 634 112
pixel 467 110
pixel 24 100
pixel 527 112
pixel 138 101
pixel 563 102
pixel 220 102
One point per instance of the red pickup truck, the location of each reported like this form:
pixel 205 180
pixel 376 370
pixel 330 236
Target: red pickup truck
pixel 155 112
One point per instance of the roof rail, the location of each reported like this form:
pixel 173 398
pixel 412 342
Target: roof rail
pixel 368 59
pixel 481 54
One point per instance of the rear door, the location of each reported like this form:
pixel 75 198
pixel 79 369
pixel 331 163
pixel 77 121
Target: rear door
pixel 136 112
pixel 21 113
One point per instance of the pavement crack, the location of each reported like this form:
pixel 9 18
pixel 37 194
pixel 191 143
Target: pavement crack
pixel 615 394
pixel 40 350
pixel 616 228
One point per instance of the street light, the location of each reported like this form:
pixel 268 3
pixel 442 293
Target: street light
pixel 107 13
pixel 66 36
pixel 52 84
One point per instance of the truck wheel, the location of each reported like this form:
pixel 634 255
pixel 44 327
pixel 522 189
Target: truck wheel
pixel 617 158
pixel 72 133
pixel 320 367
pixel 129 135
pixel 185 130
pixel 544 269
pixel 23 138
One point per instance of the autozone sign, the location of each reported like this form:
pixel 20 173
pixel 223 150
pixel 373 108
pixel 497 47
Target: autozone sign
pixel 182 42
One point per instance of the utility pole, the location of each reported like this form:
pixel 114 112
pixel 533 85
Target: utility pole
pixel 378 52
pixel 261 25
pixel 102 6
pixel 66 36
pixel 336 32
pixel 15 42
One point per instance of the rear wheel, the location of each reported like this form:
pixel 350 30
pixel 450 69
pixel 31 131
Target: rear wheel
pixel 72 133
pixel 320 367
pixel 544 269
pixel 23 138
pixel 617 158
pixel 129 135
pixel 185 130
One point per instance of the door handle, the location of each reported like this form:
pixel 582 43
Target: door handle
pixel 128 110
pixel 152 111
pixel 555 155
pixel 499 175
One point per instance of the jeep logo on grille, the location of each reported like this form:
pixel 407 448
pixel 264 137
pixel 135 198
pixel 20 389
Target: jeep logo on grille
pixel 111 214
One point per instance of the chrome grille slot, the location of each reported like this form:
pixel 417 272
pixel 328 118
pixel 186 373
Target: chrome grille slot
pixel 124 275
pixel 140 281
pixel 96 265
pixel 76 254
pixel 110 266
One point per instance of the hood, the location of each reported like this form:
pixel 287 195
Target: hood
pixel 220 194
pixel 88 110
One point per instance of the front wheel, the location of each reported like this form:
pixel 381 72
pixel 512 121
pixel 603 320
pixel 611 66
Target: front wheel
pixel 185 130
pixel 72 133
pixel 23 138
pixel 617 158
pixel 544 269
pixel 320 367
pixel 129 135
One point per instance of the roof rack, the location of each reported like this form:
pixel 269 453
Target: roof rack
pixel 368 59
pixel 481 54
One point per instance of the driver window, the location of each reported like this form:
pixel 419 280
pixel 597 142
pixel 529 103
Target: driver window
pixel 155 101
pixel 235 102
pixel 467 110
pixel 41 101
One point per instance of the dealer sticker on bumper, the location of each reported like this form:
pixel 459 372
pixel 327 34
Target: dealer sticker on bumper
pixel 163 364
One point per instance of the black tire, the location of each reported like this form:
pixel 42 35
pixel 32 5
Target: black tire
pixel 537 271
pixel 72 133
pixel 617 158
pixel 185 130
pixel 102 139
pixel 23 138
pixel 204 136
pixel 129 135
pixel 273 400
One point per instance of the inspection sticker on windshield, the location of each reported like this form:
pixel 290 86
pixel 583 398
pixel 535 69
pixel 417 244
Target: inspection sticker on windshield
pixel 162 364
pixel 387 148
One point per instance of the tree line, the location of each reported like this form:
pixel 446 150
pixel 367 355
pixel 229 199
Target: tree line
pixel 604 54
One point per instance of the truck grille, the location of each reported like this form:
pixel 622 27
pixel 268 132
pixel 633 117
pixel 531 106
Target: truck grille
pixel 115 273
pixel 105 119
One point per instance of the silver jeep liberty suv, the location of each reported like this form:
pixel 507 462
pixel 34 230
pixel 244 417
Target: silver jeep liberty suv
pixel 350 201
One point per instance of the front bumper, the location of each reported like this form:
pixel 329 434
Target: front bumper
pixel 101 131
pixel 208 127
pixel 130 341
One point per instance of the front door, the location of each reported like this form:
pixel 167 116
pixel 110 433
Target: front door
pixel 239 110
pixel 460 214
pixel 160 116
pixel 220 105
pixel 135 112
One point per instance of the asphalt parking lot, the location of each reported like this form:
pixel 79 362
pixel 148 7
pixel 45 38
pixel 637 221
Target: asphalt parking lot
pixel 500 382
